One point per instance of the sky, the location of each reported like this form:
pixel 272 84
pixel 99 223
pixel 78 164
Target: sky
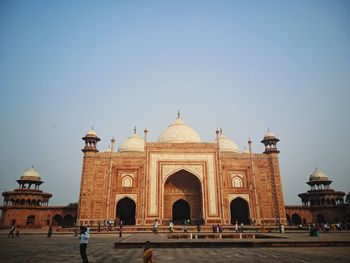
pixel 244 66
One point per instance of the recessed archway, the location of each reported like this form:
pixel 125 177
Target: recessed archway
pixel 68 221
pixel 320 219
pixel 57 220
pixel 296 219
pixel 181 211
pixel 182 197
pixel 30 220
pixel 239 211
pixel 125 211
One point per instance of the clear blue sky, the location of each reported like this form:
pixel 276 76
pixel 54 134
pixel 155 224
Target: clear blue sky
pixel 245 66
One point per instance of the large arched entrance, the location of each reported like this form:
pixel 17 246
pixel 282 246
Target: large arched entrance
pixel 296 219
pixel 68 221
pixel 57 220
pixel 181 211
pixel 126 211
pixel 239 211
pixel 182 197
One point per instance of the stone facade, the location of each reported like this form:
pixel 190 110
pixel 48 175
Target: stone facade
pixel 28 206
pixel 204 177
pixel 321 204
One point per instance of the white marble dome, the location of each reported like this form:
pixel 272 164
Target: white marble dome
pixel 31 175
pixel 245 150
pixel 108 149
pixel 178 132
pixel 91 133
pixel 134 143
pixel 317 175
pixel 269 135
pixel 227 145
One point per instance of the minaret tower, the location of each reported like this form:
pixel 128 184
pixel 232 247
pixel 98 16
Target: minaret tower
pixel 91 140
pixel 270 141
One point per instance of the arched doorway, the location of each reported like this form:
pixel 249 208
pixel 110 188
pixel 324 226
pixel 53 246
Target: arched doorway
pixel 68 221
pixel 296 219
pixel 239 211
pixel 126 211
pixel 181 211
pixel 320 219
pixel 183 197
pixel 57 220
pixel 30 220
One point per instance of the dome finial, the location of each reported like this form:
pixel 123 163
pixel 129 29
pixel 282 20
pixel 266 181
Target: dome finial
pixel 135 130
pixel 178 114
pixel 221 131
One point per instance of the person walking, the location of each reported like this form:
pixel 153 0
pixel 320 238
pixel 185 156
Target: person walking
pixel 147 253
pixel 84 239
pixel 17 232
pixel 120 231
pixel 236 226
pixel 198 227
pixel 155 227
pixel 49 233
pixel 12 229
pixel 171 227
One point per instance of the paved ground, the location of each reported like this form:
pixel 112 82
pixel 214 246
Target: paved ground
pixel 65 248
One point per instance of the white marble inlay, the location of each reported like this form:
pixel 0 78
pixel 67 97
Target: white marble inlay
pixel 153 177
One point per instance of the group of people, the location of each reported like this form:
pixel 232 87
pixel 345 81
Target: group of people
pixel 217 228
pixel 239 228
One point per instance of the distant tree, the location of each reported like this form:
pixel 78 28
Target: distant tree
pixel 72 205
pixel 347 198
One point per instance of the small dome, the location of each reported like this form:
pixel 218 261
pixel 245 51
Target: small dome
pixel 317 175
pixel 269 135
pixel 134 143
pixel 178 132
pixel 245 150
pixel 31 175
pixel 108 149
pixel 226 145
pixel 91 133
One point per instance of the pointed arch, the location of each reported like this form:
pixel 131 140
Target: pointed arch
pixel 186 186
pixel 126 211
pixel 239 211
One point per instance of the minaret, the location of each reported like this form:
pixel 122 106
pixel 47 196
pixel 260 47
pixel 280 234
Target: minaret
pixel 91 140
pixel 270 141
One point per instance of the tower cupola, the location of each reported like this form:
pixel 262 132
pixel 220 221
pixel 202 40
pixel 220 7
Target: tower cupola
pixel 91 140
pixel 270 141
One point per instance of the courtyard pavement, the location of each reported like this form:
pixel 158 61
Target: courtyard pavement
pixel 36 247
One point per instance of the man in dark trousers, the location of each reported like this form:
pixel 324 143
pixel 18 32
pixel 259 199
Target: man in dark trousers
pixel 12 230
pixel 49 233
pixel 84 239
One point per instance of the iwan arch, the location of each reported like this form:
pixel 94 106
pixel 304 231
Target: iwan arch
pixel 180 177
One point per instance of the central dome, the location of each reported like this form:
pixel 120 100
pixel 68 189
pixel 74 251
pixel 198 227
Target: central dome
pixel 178 132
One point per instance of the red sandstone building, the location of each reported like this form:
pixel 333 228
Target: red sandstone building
pixel 180 177
pixel 28 206
pixel 320 204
